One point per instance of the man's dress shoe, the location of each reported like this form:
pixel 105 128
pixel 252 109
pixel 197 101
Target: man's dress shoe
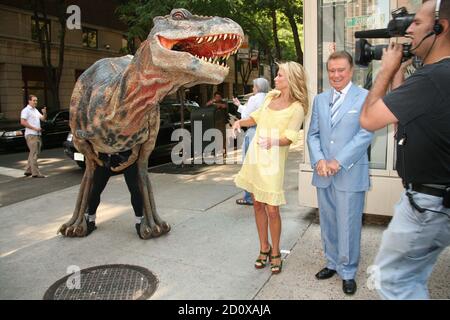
pixel 325 273
pixel 349 286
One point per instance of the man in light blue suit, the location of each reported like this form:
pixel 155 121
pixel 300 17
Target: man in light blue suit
pixel 338 152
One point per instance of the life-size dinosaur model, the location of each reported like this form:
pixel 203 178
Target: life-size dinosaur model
pixel 114 105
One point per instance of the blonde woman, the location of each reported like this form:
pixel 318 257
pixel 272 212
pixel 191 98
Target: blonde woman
pixel 260 88
pixel 278 123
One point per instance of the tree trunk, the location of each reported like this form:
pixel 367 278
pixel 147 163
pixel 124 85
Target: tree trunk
pixel 273 14
pixel 52 76
pixel 62 17
pixel 298 44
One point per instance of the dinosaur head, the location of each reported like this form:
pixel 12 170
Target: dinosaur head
pixel 194 47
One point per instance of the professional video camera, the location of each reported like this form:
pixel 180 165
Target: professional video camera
pixel 365 52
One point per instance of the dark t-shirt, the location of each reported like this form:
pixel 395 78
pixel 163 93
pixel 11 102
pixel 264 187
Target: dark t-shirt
pixel 422 106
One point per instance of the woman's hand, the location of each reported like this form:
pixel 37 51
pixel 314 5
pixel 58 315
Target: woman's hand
pixel 236 102
pixel 236 127
pixel 266 143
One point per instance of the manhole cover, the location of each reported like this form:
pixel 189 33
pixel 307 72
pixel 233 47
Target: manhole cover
pixel 108 282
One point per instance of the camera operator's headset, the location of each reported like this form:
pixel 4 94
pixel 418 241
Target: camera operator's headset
pixel 437 28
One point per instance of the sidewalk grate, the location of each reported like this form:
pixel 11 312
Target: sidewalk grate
pixel 107 282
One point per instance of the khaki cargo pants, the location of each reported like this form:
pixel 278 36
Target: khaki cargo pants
pixel 34 143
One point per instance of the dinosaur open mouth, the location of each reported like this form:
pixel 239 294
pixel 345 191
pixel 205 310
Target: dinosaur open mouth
pixel 215 49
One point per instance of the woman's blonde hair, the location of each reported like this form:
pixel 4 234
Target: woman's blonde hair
pixel 297 82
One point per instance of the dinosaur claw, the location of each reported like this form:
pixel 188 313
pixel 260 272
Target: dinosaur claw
pixel 156 231
pixel 62 229
pixel 165 227
pixel 79 231
pixel 69 232
pixel 146 233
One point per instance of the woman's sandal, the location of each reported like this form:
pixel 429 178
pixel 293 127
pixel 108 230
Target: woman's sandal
pixel 243 202
pixel 276 268
pixel 261 263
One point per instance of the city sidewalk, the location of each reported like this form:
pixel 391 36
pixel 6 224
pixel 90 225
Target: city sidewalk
pixel 209 253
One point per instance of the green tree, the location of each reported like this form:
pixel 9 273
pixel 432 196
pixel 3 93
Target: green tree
pixel 293 10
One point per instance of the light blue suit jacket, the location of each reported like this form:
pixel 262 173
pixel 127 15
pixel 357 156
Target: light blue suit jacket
pixel 346 141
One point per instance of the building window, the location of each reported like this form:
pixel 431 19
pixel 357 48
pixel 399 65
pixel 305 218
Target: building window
pixel 90 38
pixel 42 24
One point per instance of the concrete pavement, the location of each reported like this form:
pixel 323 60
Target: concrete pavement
pixel 208 254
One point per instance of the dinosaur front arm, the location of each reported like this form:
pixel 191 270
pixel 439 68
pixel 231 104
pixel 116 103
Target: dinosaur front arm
pixel 131 159
pixel 85 148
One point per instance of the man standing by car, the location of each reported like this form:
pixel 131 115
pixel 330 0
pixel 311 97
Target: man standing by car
pixel 31 118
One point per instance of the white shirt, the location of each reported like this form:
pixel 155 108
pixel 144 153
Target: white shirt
pixel 252 104
pixel 33 117
pixel 343 92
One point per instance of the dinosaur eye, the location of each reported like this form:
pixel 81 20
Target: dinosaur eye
pixel 180 14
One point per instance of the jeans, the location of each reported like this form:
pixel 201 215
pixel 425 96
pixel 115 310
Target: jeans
pixel 410 248
pixel 249 134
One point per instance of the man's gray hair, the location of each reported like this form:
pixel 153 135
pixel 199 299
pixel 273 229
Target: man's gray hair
pixel 262 84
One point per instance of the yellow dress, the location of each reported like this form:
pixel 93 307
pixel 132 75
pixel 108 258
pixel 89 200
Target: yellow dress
pixel 263 170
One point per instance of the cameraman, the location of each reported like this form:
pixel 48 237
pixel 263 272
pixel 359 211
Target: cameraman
pixel 420 228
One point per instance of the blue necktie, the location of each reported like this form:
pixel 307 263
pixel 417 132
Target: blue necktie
pixel 335 106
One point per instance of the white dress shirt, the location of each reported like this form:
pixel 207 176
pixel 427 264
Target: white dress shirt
pixel 33 117
pixel 343 92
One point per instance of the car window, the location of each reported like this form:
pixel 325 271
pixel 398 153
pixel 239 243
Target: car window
pixel 62 116
pixel 164 117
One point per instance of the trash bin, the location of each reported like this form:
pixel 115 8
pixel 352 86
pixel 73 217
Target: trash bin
pixel 203 119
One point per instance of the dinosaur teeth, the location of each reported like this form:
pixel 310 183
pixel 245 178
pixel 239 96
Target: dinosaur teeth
pixel 225 37
pixel 215 38
pixel 209 39
pixel 200 40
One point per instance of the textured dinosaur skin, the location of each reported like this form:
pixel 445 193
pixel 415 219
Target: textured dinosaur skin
pixel 114 105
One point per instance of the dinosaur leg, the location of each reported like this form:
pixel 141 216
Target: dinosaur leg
pixel 76 226
pixel 152 225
